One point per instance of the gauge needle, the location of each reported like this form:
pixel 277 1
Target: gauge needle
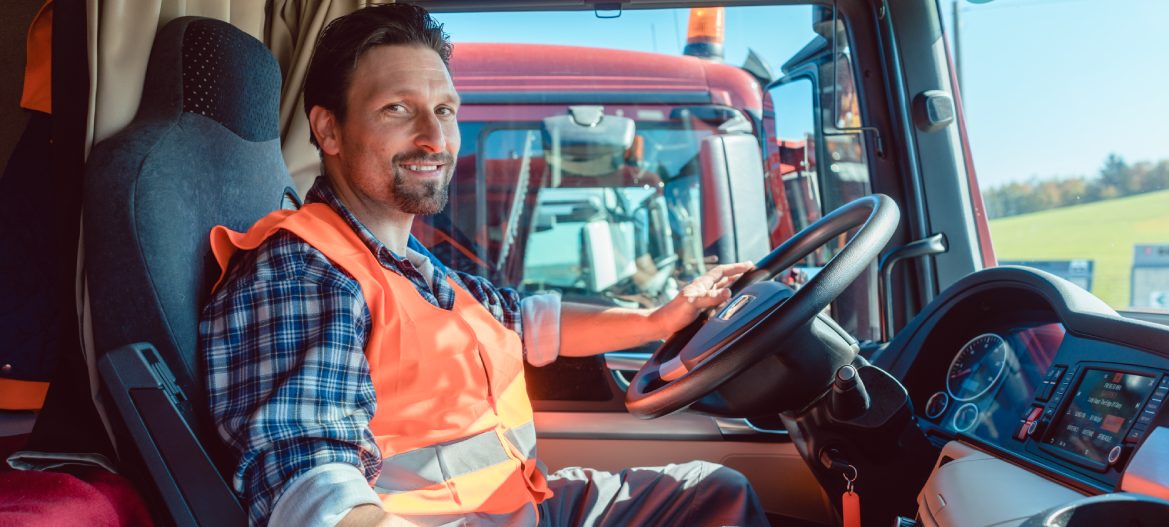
pixel 961 373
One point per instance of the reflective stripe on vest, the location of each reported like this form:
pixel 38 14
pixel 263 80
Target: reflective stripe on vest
pixel 453 419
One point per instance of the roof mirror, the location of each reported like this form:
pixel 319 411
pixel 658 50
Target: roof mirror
pixel 587 141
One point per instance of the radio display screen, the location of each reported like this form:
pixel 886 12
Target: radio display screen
pixel 1101 408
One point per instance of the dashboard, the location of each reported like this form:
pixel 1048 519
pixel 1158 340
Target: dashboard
pixel 1029 368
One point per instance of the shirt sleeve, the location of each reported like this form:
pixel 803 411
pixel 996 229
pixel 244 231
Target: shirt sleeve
pixel 288 383
pixel 323 496
pixel 541 319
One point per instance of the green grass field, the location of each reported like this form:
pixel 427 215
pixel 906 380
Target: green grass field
pixel 1104 231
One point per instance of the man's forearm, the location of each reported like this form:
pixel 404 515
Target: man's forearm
pixel 587 329
pixel 363 516
pixel 373 516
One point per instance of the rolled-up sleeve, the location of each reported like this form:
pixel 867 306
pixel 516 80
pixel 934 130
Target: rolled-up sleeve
pixel 541 321
pixel 535 318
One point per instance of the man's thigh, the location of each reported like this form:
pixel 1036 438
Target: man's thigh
pixel 696 493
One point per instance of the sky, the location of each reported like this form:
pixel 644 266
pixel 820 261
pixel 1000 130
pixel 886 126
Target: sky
pixel 1050 87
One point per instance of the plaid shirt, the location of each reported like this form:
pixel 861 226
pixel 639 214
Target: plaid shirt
pixel 284 341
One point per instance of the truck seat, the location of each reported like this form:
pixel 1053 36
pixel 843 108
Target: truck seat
pixel 203 150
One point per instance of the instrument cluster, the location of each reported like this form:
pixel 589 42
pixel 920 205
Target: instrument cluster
pixel 991 377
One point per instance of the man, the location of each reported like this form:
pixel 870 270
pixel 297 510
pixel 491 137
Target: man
pixel 340 355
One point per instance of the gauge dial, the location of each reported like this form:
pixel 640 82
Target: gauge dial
pixel 965 417
pixel 936 405
pixel 977 367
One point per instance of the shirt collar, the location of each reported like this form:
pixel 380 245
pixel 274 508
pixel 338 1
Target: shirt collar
pixel 322 192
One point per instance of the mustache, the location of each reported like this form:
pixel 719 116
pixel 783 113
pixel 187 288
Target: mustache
pixel 419 156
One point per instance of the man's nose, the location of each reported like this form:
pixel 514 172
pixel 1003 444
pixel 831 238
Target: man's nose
pixel 429 134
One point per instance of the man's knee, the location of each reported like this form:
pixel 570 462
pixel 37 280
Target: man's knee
pixel 723 496
pixel 724 478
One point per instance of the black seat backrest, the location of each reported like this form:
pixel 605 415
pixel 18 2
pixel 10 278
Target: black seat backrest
pixel 203 150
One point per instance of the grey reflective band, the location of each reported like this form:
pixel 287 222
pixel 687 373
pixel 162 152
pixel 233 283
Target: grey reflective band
pixel 427 466
pixel 523 438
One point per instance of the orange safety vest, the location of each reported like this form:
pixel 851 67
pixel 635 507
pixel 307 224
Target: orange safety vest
pixel 38 68
pixel 453 419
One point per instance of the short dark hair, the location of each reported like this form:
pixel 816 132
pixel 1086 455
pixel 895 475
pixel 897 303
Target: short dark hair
pixel 346 39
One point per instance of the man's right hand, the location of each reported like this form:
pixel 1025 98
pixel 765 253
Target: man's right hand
pixel 370 515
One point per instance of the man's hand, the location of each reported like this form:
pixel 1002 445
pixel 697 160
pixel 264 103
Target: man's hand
pixel 706 291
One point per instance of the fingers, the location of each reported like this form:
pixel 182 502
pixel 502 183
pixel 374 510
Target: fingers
pixel 713 287
pixel 724 275
pixel 733 269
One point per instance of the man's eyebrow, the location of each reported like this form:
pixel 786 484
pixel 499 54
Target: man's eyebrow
pixel 452 97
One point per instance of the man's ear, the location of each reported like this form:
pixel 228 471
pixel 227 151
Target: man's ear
pixel 325 128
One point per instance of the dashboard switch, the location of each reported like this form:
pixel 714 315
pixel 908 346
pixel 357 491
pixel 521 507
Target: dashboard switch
pixel 1114 454
pixel 1044 392
pixel 1027 425
pixel 1053 378
pixel 1021 433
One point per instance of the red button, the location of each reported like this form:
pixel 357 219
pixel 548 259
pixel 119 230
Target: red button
pixel 1025 424
pixel 1021 433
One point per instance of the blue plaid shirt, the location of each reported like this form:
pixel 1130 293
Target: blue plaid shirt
pixel 284 340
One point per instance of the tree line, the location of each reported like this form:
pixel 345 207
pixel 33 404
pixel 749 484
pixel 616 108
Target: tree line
pixel 1116 179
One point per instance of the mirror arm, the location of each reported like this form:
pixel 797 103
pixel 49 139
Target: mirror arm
pixel 929 246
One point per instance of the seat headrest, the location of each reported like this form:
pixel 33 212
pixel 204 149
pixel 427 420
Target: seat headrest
pixel 197 61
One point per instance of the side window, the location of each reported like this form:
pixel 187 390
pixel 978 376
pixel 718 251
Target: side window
pixel 816 162
pixel 792 182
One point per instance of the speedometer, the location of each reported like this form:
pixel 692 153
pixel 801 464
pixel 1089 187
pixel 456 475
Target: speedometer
pixel 976 367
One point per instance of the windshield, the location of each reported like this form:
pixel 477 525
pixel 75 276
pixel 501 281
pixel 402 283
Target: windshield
pixel 569 208
pixel 1064 112
pixel 593 161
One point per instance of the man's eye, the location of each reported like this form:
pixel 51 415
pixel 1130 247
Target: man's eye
pixel 395 108
pixel 445 111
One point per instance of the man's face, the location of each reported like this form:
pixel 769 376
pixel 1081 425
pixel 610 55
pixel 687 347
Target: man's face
pixel 399 140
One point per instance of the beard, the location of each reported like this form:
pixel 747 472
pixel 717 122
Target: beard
pixel 421 197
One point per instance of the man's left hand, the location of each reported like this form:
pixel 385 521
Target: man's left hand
pixel 706 291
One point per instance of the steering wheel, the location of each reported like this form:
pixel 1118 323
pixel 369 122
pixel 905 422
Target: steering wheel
pixel 762 314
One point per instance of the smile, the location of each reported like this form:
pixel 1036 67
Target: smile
pixel 422 168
